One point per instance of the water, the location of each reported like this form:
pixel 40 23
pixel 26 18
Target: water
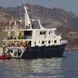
pixel 66 67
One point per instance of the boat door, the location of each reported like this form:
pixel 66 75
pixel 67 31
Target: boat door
pixel 17 53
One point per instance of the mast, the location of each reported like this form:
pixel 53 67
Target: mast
pixel 27 18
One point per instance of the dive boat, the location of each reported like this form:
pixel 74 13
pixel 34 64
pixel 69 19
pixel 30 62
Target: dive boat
pixel 24 40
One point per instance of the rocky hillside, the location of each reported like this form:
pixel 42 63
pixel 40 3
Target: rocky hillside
pixel 66 22
pixel 4 21
pixel 5 18
pixel 52 17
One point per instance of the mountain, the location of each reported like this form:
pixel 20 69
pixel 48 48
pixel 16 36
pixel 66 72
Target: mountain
pixel 66 22
pixel 50 17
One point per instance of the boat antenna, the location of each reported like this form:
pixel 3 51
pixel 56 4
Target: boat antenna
pixel 20 12
pixel 31 9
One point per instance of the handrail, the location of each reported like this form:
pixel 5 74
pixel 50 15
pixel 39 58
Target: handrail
pixel 23 52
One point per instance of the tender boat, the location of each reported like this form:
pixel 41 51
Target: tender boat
pixel 5 57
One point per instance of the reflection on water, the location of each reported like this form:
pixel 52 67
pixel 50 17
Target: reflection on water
pixel 41 68
pixel 30 68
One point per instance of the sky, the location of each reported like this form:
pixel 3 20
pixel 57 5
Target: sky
pixel 69 5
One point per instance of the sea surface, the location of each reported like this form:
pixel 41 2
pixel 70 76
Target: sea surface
pixel 65 67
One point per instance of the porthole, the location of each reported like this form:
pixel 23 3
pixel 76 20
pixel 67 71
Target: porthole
pixel 42 42
pixel 11 51
pixel 49 42
pixel 55 41
pixel 40 33
pixel 49 32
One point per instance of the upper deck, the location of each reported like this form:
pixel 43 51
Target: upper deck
pixel 20 31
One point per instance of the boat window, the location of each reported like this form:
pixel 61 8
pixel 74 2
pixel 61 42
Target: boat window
pixel 49 42
pixel 42 42
pixel 49 32
pixel 11 51
pixel 42 33
pixel 55 41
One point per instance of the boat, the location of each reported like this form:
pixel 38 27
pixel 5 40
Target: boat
pixel 2 57
pixel 5 57
pixel 23 40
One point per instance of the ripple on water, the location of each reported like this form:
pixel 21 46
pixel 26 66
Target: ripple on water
pixel 41 68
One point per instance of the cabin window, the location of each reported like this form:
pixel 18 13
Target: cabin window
pixel 42 33
pixel 11 51
pixel 15 54
pixel 49 42
pixel 55 41
pixel 49 32
pixel 42 42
